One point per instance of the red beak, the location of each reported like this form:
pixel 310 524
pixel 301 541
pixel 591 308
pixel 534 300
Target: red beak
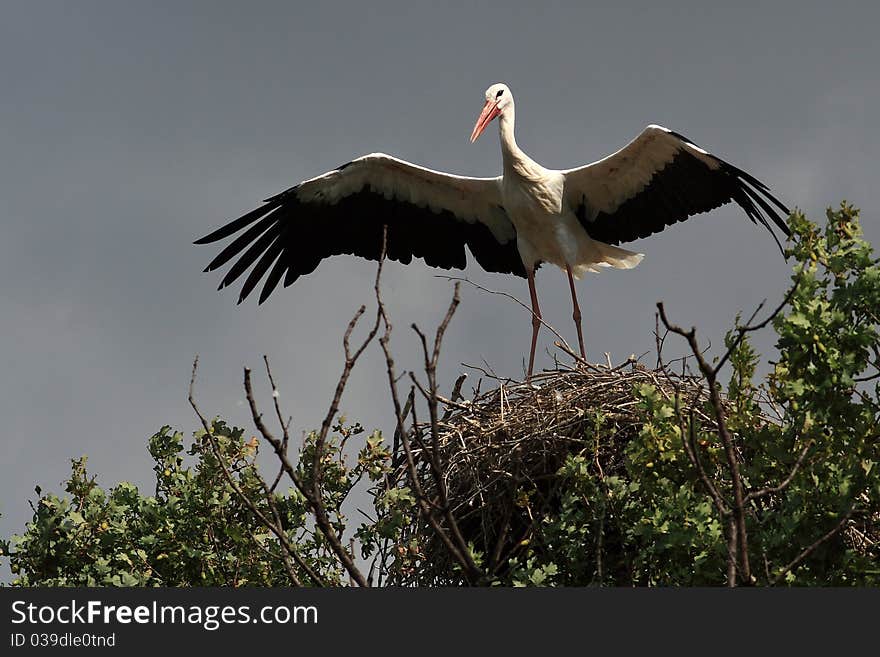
pixel 490 111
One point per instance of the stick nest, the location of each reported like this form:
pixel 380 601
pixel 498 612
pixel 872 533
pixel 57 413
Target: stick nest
pixel 517 433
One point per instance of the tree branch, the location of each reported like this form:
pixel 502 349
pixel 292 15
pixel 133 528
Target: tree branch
pixel 811 548
pixel 473 574
pixel 768 490
pixel 431 372
pixel 567 348
pixel 690 449
pixel 741 331
pixel 287 548
pixel 710 374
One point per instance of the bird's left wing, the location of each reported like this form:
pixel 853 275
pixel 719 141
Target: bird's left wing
pixel 658 179
pixel 428 214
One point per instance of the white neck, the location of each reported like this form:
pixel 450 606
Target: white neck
pixel 511 154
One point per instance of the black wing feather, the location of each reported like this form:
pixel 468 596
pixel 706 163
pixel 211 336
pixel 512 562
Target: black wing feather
pixel 256 249
pixel 292 237
pixel 269 256
pixel 239 243
pixel 273 278
pixel 241 222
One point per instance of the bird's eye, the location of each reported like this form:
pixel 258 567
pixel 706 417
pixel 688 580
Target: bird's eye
pixel 498 95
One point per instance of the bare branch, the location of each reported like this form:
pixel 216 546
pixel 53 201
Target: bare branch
pixel 741 331
pixel 724 435
pixel 732 543
pixel 567 348
pixel 287 549
pixel 285 426
pixel 456 389
pixel 659 341
pixel 315 503
pixel 315 495
pixel 465 561
pixel 431 360
pixel 398 430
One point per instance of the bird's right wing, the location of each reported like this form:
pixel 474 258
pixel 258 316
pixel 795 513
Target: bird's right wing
pixel 659 178
pixel 428 214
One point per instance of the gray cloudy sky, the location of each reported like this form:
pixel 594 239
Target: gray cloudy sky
pixel 129 129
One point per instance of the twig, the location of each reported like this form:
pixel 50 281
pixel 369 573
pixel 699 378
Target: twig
pixel 317 580
pixel 741 331
pixel 688 440
pixel 812 547
pixel 395 452
pixel 314 494
pixel 769 490
pixel 287 548
pixel 285 426
pixel 431 360
pixel 710 374
pixel 454 397
pixel 472 574
pixel 462 279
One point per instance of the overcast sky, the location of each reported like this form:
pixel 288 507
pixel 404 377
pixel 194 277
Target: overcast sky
pixel 129 129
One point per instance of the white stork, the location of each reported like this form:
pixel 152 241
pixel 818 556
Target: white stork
pixel 511 223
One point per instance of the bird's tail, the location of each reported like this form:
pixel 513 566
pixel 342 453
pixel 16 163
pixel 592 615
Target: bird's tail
pixel 605 255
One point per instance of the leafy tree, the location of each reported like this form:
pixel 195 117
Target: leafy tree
pixel 196 529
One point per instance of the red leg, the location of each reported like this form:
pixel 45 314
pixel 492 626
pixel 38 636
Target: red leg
pixel 536 321
pixel 576 315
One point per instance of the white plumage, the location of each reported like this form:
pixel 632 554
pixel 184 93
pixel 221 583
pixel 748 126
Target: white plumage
pixel 529 215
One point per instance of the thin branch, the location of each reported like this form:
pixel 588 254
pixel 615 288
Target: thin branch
pixel 811 548
pixel 659 341
pixel 316 494
pixel 688 439
pixel 313 494
pixel 285 426
pixel 731 551
pixel 287 548
pixel 690 447
pixel 421 498
pixel 431 360
pixel 710 374
pixel 562 344
pixel 741 331
pixel 568 350
pixel 456 389
pixel 769 490
pixel 395 452
pixel 450 406
pixel 317 580
pixel 489 374
pixel 315 503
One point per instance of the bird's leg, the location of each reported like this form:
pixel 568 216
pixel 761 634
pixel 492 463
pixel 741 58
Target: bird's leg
pixel 576 314
pixel 536 321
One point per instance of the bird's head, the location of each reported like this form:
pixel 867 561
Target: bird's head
pixel 498 99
